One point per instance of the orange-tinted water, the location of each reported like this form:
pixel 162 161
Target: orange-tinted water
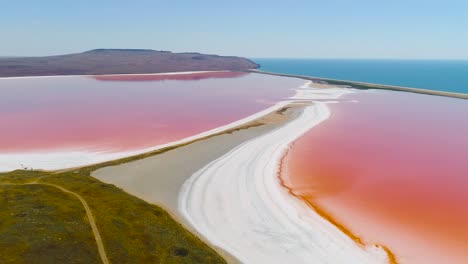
pixel 392 168
pixel 128 112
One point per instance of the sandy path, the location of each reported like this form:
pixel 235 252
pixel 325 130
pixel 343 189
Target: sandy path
pixel 92 222
pixel 89 214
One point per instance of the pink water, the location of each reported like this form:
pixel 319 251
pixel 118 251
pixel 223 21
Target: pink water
pixel 128 112
pixel 393 168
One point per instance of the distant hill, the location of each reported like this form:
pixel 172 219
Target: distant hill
pixel 119 61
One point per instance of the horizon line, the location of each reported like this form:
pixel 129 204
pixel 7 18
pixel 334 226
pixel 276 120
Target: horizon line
pixel 357 58
pixel 256 57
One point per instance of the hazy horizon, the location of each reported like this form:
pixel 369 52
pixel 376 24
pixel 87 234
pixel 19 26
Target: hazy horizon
pixel 266 58
pixel 361 29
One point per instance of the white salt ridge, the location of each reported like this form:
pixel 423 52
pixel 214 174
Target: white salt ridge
pixel 306 93
pixel 238 203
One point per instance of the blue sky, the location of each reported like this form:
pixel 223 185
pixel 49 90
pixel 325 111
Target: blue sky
pixel 295 29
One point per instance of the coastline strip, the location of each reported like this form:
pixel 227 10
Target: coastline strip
pixel 364 85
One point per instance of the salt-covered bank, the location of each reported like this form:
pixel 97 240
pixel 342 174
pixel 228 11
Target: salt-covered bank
pixel 238 203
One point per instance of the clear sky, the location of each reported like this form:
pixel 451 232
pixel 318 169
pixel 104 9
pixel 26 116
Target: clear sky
pixel 275 28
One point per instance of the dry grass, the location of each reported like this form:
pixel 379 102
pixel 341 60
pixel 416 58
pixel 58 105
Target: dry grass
pixel 41 224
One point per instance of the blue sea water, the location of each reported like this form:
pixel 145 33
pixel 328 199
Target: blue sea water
pixel 443 75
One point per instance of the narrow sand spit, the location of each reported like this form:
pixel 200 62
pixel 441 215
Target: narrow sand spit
pixel 158 179
pixel 238 204
pixel 226 189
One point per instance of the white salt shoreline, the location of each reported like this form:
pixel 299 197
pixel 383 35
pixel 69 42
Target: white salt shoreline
pixel 71 158
pixel 238 203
